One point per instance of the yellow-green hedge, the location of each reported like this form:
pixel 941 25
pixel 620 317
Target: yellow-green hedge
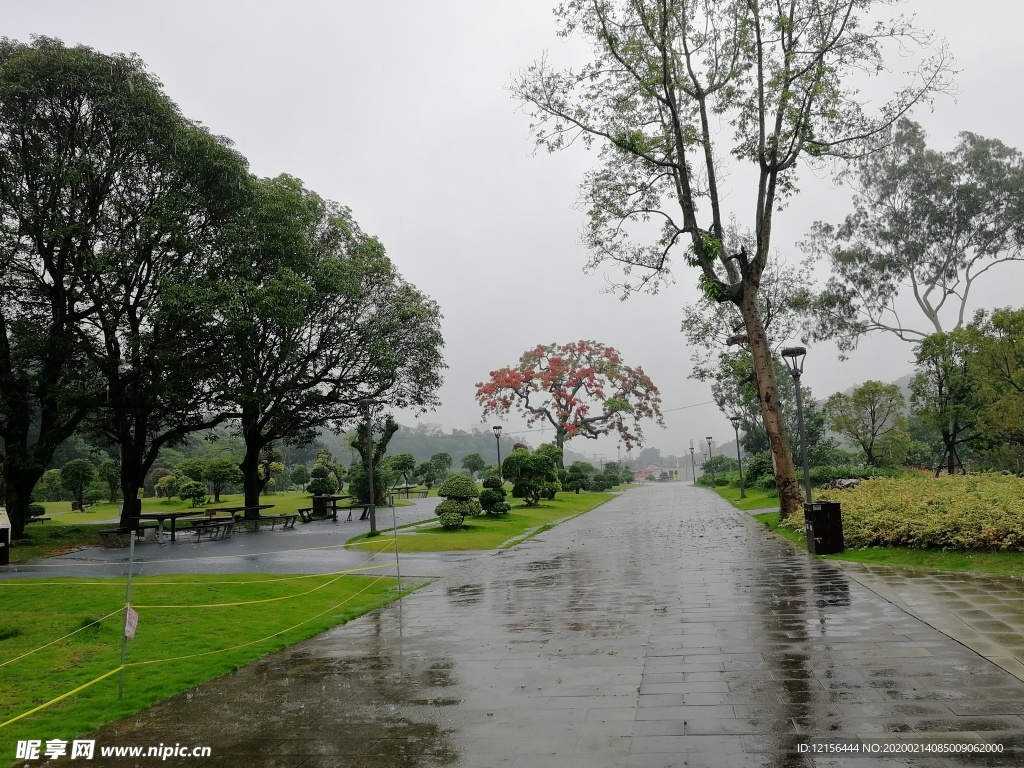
pixel 958 512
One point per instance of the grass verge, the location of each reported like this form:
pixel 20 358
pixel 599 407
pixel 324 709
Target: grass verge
pixel 252 615
pixel 755 499
pixel 997 563
pixel 484 532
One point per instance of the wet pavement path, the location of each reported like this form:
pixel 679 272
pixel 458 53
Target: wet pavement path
pixel 662 629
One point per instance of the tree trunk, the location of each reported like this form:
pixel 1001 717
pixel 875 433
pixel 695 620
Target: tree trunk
pixel 560 444
pixel 19 495
pixel 771 414
pixel 255 442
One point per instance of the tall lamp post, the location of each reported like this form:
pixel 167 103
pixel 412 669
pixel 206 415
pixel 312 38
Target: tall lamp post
pixel 793 357
pixel 711 455
pixel 497 441
pixel 739 457
pixel 693 464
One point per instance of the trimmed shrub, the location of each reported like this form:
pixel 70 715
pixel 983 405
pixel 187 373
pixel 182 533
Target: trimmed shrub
pixel 450 520
pixel 765 483
pixel 493 481
pixel 489 497
pixel 36 510
pixel 190 490
pixel 501 508
pixel 458 487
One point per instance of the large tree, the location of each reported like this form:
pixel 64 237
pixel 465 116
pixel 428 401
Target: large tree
pixel 666 77
pixel 925 226
pixel 581 389
pixel 943 393
pixel 871 416
pixel 153 336
pixel 75 134
pixel 315 321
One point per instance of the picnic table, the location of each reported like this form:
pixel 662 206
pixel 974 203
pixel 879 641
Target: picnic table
pixel 408 490
pixel 327 506
pixel 161 516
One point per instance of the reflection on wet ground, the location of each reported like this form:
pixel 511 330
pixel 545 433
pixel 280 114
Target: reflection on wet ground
pixel 662 629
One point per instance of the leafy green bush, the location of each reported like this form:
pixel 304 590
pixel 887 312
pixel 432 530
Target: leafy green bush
pixel 36 510
pixel 190 490
pixel 493 481
pixel 765 483
pixel 458 487
pixel 951 512
pixel 453 511
pixel 759 465
pixel 822 475
pixel 489 497
pixel 501 508
pixel 450 520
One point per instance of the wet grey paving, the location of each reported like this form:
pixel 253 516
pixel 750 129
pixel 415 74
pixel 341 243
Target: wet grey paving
pixel 662 629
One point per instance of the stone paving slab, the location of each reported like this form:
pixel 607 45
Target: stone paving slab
pixel 662 629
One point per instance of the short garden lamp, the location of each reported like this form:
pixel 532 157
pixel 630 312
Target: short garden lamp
pixel 497 441
pixel 739 457
pixel 793 357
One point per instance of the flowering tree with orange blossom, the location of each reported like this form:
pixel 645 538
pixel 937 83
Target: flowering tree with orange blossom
pixel 581 389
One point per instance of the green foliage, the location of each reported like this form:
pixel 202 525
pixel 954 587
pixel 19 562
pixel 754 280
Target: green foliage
pixel 49 487
pixel 757 466
pixel 531 474
pixel 474 463
pixel 958 512
pixel 191 490
pixel 493 481
pixel 765 483
pixel 322 482
pixel 221 474
pixel 871 416
pixel 458 487
pixel 76 476
pixel 578 477
pixel 109 471
pixel 36 510
pixel 450 520
pixel 404 464
pixel 428 473
pixel 490 498
pixel 300 475
pixel 192 468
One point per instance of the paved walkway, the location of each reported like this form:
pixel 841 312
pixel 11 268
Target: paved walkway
pixel 662 629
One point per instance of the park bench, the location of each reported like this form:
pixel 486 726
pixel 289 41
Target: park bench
pixel 37 520
pixel 420 494
pixel 286 521
pixel 121 537
pixel 364 507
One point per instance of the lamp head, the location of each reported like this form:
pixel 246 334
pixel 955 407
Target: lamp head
pixel 497 430
pixel 735 422
pixel 793 357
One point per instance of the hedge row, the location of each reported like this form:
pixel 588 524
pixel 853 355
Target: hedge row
pixel 950 512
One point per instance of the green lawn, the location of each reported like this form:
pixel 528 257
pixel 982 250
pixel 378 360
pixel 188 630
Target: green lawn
pixel 756 499
pixel 485 532
pixel 310 605
pixel 999 563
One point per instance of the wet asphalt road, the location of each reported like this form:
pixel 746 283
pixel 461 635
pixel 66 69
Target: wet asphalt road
pixel 662 629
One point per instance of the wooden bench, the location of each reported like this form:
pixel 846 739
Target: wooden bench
pixel 121 537
pixel 37 520
pixel 286 521
pixel 215 528
pixel 420 494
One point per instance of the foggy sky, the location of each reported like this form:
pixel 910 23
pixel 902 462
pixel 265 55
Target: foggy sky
pixel 400 111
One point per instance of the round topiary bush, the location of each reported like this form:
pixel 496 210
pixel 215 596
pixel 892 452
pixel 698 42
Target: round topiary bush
pixel 501 508
pixel 451 520
pixel 458 487
pixel 489 497
pixel 453 511
pixel 493 482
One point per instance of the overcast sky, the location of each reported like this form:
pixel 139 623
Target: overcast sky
pixel 400 111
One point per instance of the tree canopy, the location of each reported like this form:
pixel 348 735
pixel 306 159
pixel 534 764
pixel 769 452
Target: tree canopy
pixel 665 79
pixel 580 389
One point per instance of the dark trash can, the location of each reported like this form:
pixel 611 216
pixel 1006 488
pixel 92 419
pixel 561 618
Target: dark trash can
pixel 321 505
pixel 5 546
pixel 823 524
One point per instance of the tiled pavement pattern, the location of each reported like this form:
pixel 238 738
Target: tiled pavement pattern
pixel 985 613
pixel 662 629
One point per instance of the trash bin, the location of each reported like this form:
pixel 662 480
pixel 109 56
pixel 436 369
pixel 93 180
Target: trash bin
pixel 823 524
pixel 320 505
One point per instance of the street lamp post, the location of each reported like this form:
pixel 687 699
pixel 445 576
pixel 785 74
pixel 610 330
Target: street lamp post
pixel 693 464
pixel 711 455
pixel 497 441
pixel 793 357
pixel 739 457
